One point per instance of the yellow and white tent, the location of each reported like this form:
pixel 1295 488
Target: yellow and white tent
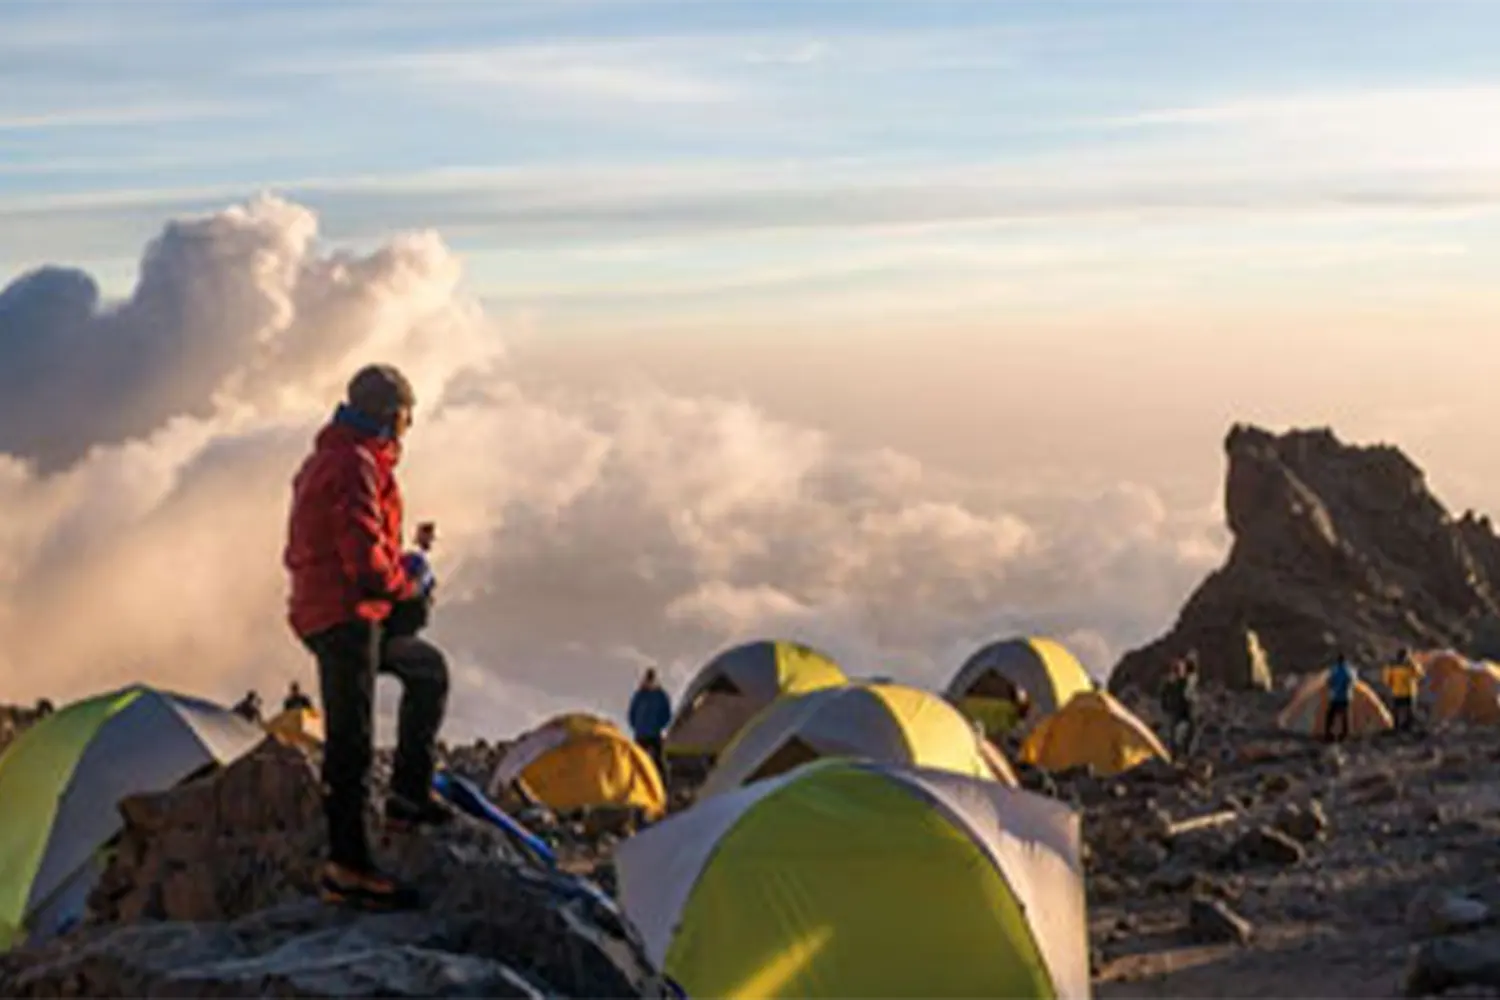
pixel 740 682
pixel 1307 712
pixel 301 727
pixel 860 879
pixel 1092 730
pixel 579 761
pixel 885 722
pixel 1043 668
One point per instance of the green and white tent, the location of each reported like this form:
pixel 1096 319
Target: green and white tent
pixel 738 683
pixel 848 878
pixel 61 783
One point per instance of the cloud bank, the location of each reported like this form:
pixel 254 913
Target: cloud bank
pixel 146 449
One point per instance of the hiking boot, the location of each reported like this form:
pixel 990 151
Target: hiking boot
pixel 402 814
pixel 365 889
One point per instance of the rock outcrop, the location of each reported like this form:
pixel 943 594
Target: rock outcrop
pixel 1335 547
pixel 210 893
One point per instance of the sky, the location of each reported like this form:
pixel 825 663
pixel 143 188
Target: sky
pixel 901 325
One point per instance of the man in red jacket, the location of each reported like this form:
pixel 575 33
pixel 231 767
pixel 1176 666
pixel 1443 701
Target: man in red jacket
pixel 344 556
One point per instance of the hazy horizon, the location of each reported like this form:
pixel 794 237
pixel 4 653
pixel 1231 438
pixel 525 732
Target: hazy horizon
pixel 896 328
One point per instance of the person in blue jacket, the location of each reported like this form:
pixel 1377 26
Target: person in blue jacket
pixel 1341 677
pixel 650 714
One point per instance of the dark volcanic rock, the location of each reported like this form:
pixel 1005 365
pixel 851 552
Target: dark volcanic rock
pixel 1267 846
pixel 1305 823
pixel 1211 921
pixel 1436 911
pixel 314 952
pixel 1449 963
pixel 1335 547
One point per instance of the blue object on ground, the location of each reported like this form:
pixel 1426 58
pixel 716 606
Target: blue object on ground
pixel 466 795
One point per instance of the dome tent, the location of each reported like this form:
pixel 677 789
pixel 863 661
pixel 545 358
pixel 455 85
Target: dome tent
pixel 739 682
pixel 885 722
pixel 1092 730
pixel 1471 694
pixel 579 761
pixel 1043 668
pixel 1307 712
pixel 855 878
pixel 60 783
pixel 1439 666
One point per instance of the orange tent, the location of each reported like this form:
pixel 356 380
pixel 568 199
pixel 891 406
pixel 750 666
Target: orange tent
pixel 1439 667
pixel 1470 694
pixel 1307 713
pixel 1092 730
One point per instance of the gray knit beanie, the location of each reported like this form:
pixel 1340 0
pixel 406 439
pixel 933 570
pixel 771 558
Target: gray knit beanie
pixel 378 391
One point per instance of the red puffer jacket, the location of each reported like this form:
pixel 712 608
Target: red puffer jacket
pixel 344 541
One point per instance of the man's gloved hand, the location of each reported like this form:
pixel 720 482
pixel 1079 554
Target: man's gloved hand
pixel 420 570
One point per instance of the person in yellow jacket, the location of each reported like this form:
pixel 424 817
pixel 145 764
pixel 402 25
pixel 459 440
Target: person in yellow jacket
pixel 1402 678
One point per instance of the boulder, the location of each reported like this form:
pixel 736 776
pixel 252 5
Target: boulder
pixel 1435 911
pixel 1173 878
pixel 1276 783
pixel 1144 857
pixel 1207 848
pixel 1105 889
pixel 1444 964
pixel 1376 788
pixel 312 953
pixel 1267 846
pixel 1456 767
pixel 1211 921
pixel 1307 823
pixel 250 838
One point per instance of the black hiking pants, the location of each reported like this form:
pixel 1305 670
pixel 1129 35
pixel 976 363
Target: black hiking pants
pixel 1402 709
pixel 1183 733
pixel 653 746
pixel 1338 713
pixel 349 658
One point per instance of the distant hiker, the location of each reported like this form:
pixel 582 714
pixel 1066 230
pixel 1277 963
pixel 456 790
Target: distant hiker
pixel 343 554
pixel 295 700
pixel 1341 678
pixel 1179 698
pixel 650 714
pixel 44 708
pixel 1402 678
pixel 248 707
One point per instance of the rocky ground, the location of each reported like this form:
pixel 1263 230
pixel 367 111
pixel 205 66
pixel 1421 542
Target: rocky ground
pixel 1272 865
pixel 1267 866
pixel 1361 870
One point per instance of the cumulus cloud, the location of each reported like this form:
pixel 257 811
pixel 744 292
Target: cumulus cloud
pixel 232 310
pixel 146 449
